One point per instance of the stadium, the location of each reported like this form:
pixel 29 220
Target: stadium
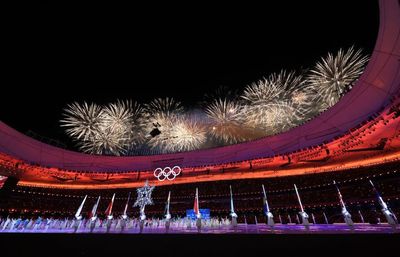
pixel 335 173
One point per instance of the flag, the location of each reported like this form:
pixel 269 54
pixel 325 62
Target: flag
pixel 265 201
pixel 93 212
pixel 374 189
pixel 166 211
pixel 126 206
pixel 265 206
pixel 78 212
pixel 110 205
pixel 196 203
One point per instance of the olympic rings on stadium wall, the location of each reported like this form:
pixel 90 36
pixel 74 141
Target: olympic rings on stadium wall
pixel 167 173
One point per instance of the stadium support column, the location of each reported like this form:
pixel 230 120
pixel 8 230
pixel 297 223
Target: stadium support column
pixel 267 212
pixel 303 214
pixel 233 213
pixel 389 215
pixel 345 213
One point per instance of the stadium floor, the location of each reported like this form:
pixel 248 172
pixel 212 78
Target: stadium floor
pixel 241 229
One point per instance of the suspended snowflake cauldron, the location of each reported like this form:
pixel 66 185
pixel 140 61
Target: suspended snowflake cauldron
pixel 144 198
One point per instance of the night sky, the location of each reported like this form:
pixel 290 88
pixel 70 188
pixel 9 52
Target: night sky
pixel 52 57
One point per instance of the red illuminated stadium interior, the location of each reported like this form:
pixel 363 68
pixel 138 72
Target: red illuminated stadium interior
pixel 355 140
pixel 375 142
pixel 337 174
pixel 317 191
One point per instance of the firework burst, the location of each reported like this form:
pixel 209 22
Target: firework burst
pixel 226 121
pixel 106 142
pixel 270 105
pixel 333 76
pixel 103 130
pixel 160 141
pixel 164 107
pixel 180 134
pixel 125 118
pixel 160 114
pixel 222 92
pixel 265 90
pixel 118 117
pixel 82 121
pixel 301 96
pixel 272 118
pixel 186 135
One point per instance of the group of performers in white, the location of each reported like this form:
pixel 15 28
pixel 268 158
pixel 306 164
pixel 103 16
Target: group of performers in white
pixel 124 223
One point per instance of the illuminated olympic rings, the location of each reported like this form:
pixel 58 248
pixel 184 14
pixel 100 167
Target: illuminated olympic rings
pixel 167 173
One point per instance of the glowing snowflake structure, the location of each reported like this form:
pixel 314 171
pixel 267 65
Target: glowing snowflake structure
pixel 144 196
